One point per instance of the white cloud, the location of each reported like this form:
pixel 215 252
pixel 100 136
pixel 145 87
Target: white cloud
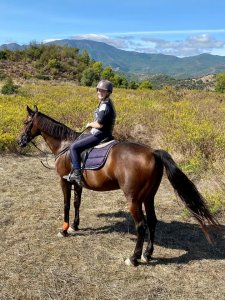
pixel 116 42
pixel 186 46
pixel 169 32
pixel 50 40
pixel 192 45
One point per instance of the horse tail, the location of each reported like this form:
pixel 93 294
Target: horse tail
pixel 187 192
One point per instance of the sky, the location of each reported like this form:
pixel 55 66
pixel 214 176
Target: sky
pixel 174 27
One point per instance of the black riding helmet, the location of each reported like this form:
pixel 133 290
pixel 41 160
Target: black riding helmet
pixel 105 85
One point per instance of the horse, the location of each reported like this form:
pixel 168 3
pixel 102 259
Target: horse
pixel 135 168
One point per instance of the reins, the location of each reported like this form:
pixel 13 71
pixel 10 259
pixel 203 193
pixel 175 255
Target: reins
pixel 33 143
pixel 46 158
pixel 59 154
pixel 68 147
pixel 62 152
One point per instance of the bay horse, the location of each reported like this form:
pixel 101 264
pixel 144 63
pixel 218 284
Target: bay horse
pixel 134 168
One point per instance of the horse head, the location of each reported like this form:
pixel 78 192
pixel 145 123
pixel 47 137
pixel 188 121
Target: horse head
pixel 29 131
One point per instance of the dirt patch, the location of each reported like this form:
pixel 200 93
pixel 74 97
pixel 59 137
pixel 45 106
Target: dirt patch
pixel 35 264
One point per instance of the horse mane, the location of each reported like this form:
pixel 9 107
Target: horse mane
pixel 54 128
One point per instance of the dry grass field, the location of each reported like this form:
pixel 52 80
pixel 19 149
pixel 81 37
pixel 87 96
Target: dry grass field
pixel 36 264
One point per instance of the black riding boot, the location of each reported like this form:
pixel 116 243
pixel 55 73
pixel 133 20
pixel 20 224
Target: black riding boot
pixel 75 175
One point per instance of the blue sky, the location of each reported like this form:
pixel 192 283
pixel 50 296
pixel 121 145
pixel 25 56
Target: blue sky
pixel 175 27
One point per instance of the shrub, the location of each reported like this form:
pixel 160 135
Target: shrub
pixel 133 85
pixel 4 54
pixel 215 201
pixel 53 64
pixel 43 77
pixel 9 87
pixel 2 76
pixel 145 84
pixel 220 83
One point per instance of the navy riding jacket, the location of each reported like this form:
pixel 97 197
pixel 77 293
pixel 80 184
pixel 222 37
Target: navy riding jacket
pixel 105 115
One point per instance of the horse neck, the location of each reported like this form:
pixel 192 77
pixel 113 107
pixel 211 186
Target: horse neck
pixel 54 144
pixel 56 135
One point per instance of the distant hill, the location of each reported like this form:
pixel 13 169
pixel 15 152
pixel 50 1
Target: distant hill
pixel 131 62
pixel 13 46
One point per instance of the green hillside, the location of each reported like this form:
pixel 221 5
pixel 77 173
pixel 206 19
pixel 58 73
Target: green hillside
pixel 151 64
pixel 131 62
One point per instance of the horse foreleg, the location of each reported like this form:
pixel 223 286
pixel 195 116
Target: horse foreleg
pixel 66 188
pixel 138 216
pixel 77 201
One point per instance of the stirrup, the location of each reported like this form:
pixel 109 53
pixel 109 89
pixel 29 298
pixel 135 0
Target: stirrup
pixel 74 176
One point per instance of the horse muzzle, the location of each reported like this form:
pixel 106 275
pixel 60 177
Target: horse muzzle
pixel 23 141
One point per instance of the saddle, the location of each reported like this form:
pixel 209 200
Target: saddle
pixel 94 158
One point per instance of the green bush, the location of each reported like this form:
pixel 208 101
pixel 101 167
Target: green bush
pixel 9 87
pixel 2 76
pixel 220 83
pixel 4 54
pixel 145 84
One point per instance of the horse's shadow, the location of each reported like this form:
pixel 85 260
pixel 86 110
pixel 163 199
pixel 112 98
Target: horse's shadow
pixel 175 235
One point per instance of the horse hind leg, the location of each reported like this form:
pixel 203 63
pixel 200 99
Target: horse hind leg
pixel 138 216
pixel 151 223
pixel 151 215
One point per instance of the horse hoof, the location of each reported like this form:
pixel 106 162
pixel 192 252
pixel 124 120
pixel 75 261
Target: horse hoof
pixel 145 259
pixel 130 262
pixel 71 230
pixel 62 234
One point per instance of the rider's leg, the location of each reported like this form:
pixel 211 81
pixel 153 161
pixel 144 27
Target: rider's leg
pixel 75 149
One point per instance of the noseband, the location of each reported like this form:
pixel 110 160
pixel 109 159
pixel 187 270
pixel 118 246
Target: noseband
pixel 26 137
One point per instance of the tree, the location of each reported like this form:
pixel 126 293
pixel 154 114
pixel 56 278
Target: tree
pixel 220 83
pixel 84 57
pixel 145 84
pixel 108 73
pixel 98 67
pixel 89 77
pixel 117 80
pixel 34 51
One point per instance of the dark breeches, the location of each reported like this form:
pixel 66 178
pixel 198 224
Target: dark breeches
pixel 80 145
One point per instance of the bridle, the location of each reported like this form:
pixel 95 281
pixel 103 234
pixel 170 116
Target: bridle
pixel 27 138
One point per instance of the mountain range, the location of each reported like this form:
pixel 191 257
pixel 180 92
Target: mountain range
pixel 135 63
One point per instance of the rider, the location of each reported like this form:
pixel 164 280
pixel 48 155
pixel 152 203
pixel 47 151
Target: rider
pixel 101 128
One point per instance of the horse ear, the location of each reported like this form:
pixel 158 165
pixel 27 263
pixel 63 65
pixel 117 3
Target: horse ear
pixel 35 109
pixel 30 111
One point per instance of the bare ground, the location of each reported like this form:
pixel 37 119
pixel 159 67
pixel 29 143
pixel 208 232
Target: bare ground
pixel 36 264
